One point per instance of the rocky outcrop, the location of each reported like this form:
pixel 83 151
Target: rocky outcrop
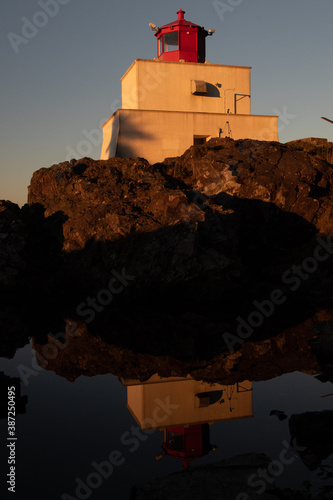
pixel 316 146
pixel 284 175
pixel 109 199
pixel 204 237
pixel 227 209
pixel 30 246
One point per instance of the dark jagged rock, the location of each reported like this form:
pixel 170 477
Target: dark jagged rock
pixel 30 247
pixel 30 273
pixel 13 242
pixel 204 235
pixel 107 199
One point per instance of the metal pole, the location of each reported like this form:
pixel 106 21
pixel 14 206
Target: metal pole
pixel 323 118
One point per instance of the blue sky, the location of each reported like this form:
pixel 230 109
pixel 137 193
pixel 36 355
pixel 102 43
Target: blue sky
pixel 60 80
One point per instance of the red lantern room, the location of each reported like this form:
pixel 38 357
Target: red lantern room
pixel 182 40
pixel 187 443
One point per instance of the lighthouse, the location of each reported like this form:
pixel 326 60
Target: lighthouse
pixel 181 41
pixel 179 99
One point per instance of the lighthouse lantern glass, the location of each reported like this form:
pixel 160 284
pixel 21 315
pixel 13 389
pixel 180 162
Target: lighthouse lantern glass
pixel 170 42
pixel 175 441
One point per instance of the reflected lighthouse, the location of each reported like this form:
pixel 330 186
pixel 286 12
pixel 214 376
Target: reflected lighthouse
pixel 184 409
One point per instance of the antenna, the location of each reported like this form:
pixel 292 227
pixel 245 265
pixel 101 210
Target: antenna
pixel 228 132
pixel 323 118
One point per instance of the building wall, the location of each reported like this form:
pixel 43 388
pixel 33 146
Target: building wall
pixel 111 129
pixel 165 85
pixel 156 135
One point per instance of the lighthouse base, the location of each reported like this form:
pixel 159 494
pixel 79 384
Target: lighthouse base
pixel 155 135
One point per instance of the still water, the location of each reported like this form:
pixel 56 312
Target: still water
pixel 97 437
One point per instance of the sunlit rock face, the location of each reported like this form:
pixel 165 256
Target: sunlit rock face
pixel 105 200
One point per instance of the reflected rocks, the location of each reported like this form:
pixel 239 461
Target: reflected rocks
pixel 226 479
pixel 322 346
pixel 14 332
pixel 139 351
pixel 79 353
pixel 222 480
pixel 314 432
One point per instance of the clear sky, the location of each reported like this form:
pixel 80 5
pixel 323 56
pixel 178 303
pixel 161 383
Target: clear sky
pixel 60 79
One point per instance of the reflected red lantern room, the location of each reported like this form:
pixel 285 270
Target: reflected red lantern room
pixel 181 40
pixel 187 443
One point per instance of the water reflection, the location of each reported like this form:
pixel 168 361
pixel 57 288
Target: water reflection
pixel 200 427
pixel 314 433
pixel 190 408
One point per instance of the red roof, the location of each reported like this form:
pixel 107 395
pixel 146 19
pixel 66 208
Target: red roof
pixel 180 21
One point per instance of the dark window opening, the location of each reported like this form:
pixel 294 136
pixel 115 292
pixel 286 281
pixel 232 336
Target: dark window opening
pixel 198 140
